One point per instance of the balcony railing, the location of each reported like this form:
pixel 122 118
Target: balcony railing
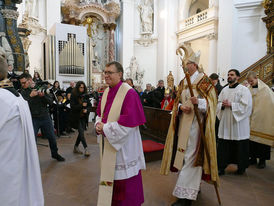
pixel 199 18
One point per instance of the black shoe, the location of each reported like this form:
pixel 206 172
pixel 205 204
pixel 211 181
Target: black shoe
pixel 188 202
pixel 221 172
pixel 58 157
pixel 182 202
pixel 252 161
pixel 179 202
pixel 261 164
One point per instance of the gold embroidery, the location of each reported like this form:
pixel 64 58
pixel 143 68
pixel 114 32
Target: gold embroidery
pixel 181 150
pixel 106 183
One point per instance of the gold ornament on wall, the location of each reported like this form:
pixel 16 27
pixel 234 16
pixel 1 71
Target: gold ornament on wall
pixel 90 22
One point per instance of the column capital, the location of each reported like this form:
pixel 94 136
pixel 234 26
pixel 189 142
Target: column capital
pixel 109 26
pixel 212 36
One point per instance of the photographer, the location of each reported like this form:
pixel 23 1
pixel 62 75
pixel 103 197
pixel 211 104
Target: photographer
pixel 80 109
pixel 38 101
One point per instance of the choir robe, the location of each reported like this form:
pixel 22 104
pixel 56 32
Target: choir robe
pixel 234 127
pixel 20 176
pixel 124 136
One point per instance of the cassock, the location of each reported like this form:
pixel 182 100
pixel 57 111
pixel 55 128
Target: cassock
pixel 234 128
pixel 124 136
pixel 190 158
pixel 20 176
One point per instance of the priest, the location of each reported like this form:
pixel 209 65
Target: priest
pixel 184 149
pixel 20 176
pixel 120 113
pixel 261 121
pixel 233 110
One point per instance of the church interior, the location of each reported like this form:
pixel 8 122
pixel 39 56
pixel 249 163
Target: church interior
pixel 68 41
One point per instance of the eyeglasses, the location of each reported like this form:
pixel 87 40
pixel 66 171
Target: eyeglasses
pixel 82 87
pixel 109 73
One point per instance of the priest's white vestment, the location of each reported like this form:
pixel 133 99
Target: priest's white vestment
pixel 234 121
pixel 20 176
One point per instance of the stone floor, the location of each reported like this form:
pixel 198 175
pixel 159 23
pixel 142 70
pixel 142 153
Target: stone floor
pixel 75 181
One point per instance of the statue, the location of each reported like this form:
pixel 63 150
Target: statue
pixel 133 72
pixel 30 8
pixel 96 62
pixel 170 80
pixel 146 14
pixel 6 48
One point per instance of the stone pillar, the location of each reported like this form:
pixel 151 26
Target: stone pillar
pixel 111 52
pixel 127 31
pixel 212 64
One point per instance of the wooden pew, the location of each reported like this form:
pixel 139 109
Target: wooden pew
pixel 154 132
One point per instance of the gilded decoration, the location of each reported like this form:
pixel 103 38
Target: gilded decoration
pixel 268 69
pixel 170 80
pixel 75 12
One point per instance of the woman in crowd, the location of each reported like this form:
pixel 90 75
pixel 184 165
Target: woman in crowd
pixel 80 109
pixel 36 77
pixel 56 86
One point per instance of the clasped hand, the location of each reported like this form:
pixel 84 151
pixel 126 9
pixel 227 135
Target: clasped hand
pixel 226 103
pixel 99 127
pixel 187 109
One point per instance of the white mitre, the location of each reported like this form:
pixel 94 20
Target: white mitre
pixel 195 57
pixel 190 55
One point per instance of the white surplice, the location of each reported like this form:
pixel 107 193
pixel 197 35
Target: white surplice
pixel 128 143
pixel 188 182
pixel 20 176
pixel 234 121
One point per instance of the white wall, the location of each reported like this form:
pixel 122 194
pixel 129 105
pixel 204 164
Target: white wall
pixel 147 59
pixel 53 13
pixel 241 35
pixel 250 39
pixel 202 45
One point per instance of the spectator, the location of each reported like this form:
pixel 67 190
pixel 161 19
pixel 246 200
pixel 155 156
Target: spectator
pixel 36 77
pixel 80 109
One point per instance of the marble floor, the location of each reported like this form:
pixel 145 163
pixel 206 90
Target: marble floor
pixel 75 181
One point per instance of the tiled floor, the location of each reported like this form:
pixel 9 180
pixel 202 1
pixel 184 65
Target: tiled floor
pixel 75 182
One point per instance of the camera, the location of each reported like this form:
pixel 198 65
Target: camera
pixel 43 87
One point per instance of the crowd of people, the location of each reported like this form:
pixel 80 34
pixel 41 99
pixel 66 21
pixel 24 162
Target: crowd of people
pixel 56 111
pixel 211 127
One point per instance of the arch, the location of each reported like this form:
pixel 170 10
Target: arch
pixel 198 4
pixel 101 15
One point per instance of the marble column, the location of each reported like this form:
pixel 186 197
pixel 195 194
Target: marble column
pixel 111 52
pixel 212 64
